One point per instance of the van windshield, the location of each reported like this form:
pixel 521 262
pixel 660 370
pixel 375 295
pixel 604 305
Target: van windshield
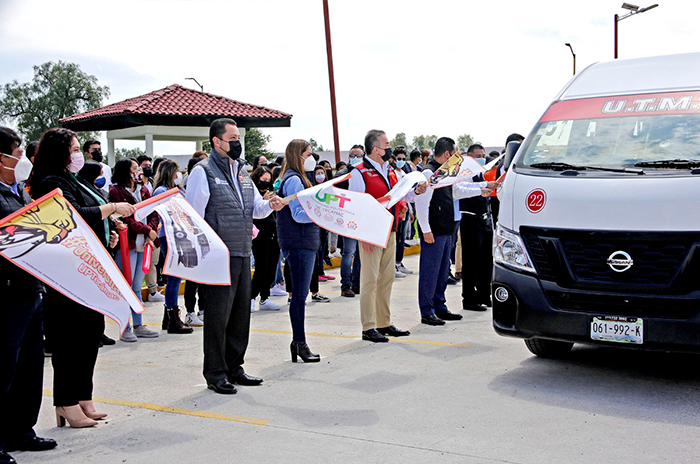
pixel 621 135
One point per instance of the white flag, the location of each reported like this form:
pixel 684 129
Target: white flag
pixel 195 251
pixel 51 241
pixel 402 187
pixel 458 168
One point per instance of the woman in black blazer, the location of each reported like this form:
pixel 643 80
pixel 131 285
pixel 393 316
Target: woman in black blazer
pixel 74 354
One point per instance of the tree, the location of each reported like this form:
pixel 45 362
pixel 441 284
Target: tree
pixel 400 140
pixel 315 147
pixel 132 153
pixel 255 144
pixel 57 90
pixel 464 141
pixel 421 142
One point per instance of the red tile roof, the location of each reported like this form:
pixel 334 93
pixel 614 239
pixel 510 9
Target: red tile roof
pixel 176 100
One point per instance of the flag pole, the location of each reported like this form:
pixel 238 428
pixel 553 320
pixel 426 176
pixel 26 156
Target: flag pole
pixel 331 79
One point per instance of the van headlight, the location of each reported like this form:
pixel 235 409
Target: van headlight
pixel 509 250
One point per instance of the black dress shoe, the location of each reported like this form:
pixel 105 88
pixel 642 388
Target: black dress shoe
pixel 107 341
pixel 347 293
pixel 432 320
pixel 223 387
pixel 452 280
pixel 373 336
pixel 31 444
pixel 478 307
pixel 448 316
pixel 393 331
pixel 245 379
pixel 356 291
pixel 6 458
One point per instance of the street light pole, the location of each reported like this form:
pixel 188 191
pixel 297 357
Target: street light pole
pixel 573 54
pixel 201 87
pixel 633 10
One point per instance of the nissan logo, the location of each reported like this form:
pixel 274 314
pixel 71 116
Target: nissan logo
pixel 620 261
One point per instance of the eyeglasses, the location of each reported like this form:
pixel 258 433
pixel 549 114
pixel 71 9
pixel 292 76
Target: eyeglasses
pixel 400 159
pixel 355 156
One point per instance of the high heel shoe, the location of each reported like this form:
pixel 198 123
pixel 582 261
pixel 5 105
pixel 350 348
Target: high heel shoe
pixel 302 350
pixel 88 408
pixel 74 415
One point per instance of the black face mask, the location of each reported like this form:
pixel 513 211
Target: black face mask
pixel 97 156
pixel 235 149
pixel 264 185
pixel 148 172
pixel 387 154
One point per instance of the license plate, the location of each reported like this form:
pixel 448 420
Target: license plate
pixel 618 329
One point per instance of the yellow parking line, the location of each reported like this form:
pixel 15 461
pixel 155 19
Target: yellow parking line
pixel 174 410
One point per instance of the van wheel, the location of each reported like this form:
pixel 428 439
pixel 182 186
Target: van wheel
pixel 548 348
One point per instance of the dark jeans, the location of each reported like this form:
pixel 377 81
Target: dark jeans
pixel 172 284
pixel 21 366
pixel 401 239
pixel 266 252
pixel 289 284
pixel 301 267
pixel 477 261
pixel 74 351
pixel 190 295
pixel 434 270
pixel 226 332
pixel 322 252
pixel 350 264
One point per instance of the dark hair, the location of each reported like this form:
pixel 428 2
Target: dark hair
pixel 372 138
pixel 473 147
pixel 199 153
pixel 91 171
pixel 121 174
pixel 358 146
pixel 415 154
pixel 86 145
pixel 494 154
pixel 164 175
pixel 256 160
pixel 156 162
pixel 141 158
pixel 444 144
pixel 316 157
pixel 340 165
pixel 218 127
pixel 399 150
pixel 192 163
pixel 258 173
pixel 279 160
pixel 324 163
pixel 272 165
pixel 9 141
pixel 31 150
pixel 325 175
pixel 53 154
pixel 276 173
pixel 514 137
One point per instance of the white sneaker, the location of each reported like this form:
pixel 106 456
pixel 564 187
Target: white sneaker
pixel 252 306
pixel 144 332
pixel 156 297
pixel 128 335
pixel 399 274
pixel 268 305
pixel 192 320
pixel 277 291
pixel 401 268
pixel 412 242
pixel 335 254
pixel 200 315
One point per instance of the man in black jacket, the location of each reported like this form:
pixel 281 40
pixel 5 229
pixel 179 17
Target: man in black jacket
pixel 21 334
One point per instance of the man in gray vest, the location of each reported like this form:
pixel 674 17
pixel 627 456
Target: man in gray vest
pixel 220 189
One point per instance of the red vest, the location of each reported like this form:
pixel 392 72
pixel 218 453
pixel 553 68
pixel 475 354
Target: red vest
pixel 376 185
pixel 491 175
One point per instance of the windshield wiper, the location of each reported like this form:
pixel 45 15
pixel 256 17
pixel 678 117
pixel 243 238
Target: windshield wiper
pixel 566 167
pixel 670 164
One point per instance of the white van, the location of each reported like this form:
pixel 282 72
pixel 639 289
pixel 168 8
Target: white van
pixel 598 239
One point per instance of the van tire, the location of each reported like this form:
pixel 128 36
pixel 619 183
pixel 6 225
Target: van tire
pixel 548 348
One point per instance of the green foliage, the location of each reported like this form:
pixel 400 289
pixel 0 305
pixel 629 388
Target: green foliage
pixel 132 153
pixel 57 90
pixel 315 147
pixel 463 142
pixel 400 140
pixel 421 142
pixel 255 144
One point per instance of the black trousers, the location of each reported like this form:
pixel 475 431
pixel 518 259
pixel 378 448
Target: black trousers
pixel 313 288
pixel 266 251
pixel 190 295
pixel 21 365
pixel 477 261
pixel 74 351
pixel 227 308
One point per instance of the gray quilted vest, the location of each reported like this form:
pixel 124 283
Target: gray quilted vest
pixel 230 219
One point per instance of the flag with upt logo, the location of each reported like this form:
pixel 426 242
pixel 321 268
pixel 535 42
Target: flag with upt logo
pixel 344 212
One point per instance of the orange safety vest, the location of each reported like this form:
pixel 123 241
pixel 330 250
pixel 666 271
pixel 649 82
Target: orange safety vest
pixel 491 176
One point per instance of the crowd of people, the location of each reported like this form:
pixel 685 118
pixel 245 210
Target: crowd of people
pixel 264 228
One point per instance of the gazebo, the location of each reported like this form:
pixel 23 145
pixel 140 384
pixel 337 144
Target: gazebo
pixel 174 113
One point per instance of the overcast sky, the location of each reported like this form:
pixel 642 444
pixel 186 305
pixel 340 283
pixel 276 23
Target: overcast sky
pixel 443 67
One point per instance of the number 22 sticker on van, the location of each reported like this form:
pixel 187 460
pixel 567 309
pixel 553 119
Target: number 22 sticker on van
pixel 536 200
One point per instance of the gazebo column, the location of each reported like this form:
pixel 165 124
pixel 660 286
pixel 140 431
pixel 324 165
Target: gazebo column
pixel 111 153
pixel 198 145
pixel 149 145
pixel 242 132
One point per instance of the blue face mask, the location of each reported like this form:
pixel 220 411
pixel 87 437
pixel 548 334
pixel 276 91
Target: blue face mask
pixel 100 182
pixel 355 161
pixel 481 161
pixel 400 164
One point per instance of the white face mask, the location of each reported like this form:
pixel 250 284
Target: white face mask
pixel 22 169
pixel 178 178
pixel 77 161
pixel 309 164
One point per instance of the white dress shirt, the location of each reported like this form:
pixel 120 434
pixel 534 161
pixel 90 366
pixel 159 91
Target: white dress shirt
pixel 356 183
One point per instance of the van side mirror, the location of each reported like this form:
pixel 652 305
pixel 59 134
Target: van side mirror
pixel 511 150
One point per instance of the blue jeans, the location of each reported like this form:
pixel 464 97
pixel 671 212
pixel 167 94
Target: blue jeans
pixel 137 275
pixel 301 268
pixel 279 276
pixel 350 264
pixel 431 284
pixel 172 284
